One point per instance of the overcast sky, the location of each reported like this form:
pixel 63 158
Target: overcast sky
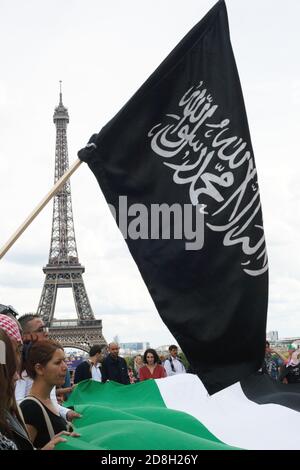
pixel 103 51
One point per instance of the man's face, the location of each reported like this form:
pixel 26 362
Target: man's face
pixel 173 352
pixel 114 350
pixel 99 357
pixel 36 330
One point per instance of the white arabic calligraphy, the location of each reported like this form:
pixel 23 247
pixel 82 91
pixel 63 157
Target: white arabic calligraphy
pixel 207 158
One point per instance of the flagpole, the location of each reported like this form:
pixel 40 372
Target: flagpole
pixel 39 207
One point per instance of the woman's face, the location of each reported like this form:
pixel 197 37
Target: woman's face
pixel 150 359
pixel 54 372
pixel 139 360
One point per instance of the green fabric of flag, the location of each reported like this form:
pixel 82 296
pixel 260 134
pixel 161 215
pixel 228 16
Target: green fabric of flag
pixel 133 417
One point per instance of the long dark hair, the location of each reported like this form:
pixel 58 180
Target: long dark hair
pixel 151 351
pixel 7 384
pixel 40 352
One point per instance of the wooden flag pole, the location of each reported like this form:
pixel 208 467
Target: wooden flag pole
pixel 39 207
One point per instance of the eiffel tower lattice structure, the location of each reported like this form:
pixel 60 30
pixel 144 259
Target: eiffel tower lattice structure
pixel 63 269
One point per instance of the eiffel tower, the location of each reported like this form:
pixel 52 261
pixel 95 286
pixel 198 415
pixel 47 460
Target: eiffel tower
pixel 63 268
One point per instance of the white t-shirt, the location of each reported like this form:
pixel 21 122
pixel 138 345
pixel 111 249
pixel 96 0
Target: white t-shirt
pixel 96 373
pixel 178 366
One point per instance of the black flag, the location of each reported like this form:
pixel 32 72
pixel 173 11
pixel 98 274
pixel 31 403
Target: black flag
pixel 182 144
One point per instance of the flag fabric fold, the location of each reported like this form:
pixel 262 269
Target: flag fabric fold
pixel 118 417
pixel 177 413
pixel 183 140
pixel 263 390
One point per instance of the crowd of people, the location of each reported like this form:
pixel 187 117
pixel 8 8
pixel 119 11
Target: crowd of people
pixel 108 365
pixel 281 368
pixel 31 366
pixel 34 374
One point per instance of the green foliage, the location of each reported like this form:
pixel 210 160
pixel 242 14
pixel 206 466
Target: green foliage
pixel 182 356
pixel 129 361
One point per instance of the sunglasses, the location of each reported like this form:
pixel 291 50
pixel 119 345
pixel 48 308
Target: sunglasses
pixel 4 309
pixel 41 329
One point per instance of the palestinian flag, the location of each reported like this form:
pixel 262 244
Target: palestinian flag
pixel 176 413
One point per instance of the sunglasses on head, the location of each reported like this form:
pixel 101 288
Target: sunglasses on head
pixel 4 309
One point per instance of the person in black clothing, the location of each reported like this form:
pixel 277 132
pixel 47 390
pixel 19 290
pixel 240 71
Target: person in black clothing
pixel 90 369
pixel 35 422
pixel 13 432
pixel 46 365
pixel 114 367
